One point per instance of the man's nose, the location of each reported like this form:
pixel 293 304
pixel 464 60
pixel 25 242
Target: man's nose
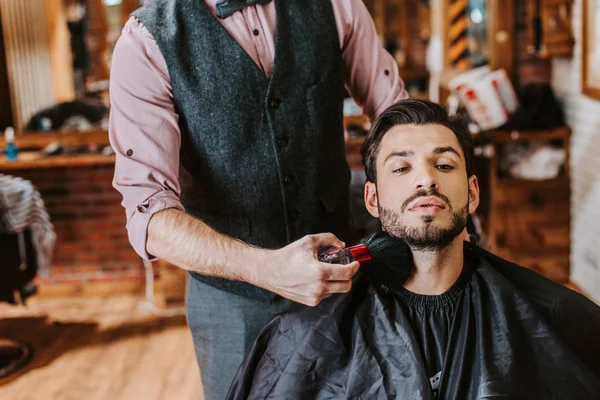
pixel 426 181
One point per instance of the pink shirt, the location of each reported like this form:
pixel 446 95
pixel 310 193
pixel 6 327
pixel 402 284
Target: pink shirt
pixel 143 125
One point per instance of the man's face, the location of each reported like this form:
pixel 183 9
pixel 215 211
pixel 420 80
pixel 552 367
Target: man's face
pixel 422 193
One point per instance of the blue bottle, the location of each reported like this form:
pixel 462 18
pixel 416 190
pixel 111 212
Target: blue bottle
pixel 11 149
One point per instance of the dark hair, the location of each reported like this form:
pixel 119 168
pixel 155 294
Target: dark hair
pixel 414 112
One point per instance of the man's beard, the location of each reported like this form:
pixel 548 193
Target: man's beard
pixel 429 237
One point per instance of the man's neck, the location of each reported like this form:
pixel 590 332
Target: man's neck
pixel 434 272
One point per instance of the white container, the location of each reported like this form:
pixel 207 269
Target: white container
pixel 483 104
pixel 505 90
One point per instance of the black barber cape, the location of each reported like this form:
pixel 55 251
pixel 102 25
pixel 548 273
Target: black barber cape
pixel 501 332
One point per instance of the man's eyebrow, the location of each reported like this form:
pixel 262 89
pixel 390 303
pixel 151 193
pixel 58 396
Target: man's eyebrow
pixel 398 154
pixel 447 149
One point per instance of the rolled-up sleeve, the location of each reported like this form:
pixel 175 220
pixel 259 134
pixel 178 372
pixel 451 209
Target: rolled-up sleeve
pixel 143 132
pixel 372 75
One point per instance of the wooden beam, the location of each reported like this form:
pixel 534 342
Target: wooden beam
pixel 59 161
pixel 501 35
pixel 74 138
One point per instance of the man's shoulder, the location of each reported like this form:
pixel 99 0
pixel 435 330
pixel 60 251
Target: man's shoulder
pixel 160 9
pixel 541 290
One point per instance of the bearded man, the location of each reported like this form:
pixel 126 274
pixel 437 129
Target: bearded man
pixel 465 324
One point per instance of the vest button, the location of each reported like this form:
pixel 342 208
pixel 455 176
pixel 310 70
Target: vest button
pixel 282 141
pixel 275 103
pixel 287 179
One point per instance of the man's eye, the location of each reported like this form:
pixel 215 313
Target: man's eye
pixel 400 170
pixel 444 167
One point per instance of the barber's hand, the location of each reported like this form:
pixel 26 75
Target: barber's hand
pixel 294 272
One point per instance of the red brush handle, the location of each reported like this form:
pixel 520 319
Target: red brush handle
pixel 361 253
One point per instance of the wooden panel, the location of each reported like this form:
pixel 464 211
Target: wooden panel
pixel 127 7
pixel 6 113
pixel 501 31
pixel 520 229
pixel 532 225
pixel 505 136
pixel 60 51
pixel 100 348
pixel 27 57
pixel 96 37
pixel 552 265
pixel 61 161
pixel 557 27
pixel 73 138
pixel 532 194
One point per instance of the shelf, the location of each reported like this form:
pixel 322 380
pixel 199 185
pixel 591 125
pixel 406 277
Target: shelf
pixel 505 136
pixel 517 182
pixel 413 72
pixel 359 119
pixel 60 161
pixel 39 140
pixel 496 137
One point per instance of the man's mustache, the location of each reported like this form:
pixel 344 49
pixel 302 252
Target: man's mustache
pixel 426 193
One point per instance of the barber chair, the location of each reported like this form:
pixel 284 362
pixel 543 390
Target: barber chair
pixel 18 267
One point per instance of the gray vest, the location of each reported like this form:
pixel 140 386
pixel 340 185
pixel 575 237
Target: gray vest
pixel 262 160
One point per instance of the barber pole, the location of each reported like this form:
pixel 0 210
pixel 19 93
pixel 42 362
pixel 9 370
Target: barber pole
pixel 458 51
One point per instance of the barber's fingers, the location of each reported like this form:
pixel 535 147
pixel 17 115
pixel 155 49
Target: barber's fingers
pixel 339 287
pixel 315 242
pixel 338 272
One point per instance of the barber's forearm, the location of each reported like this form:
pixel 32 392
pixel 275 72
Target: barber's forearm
pixel 189 243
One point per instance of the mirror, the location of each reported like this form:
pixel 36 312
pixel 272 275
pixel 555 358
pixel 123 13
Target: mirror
pixel 468 33
pixel 403 27
pixel 94 27
pixel 591 48
pixel 81 37
pixel 477 36
pixel 479 32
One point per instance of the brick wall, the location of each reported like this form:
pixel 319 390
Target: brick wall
pixel 583 114
pixel 92 244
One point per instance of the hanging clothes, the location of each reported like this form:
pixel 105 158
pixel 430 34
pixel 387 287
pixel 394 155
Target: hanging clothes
pixel 21 209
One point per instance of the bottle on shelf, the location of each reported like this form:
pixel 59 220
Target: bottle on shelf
pixel 11 149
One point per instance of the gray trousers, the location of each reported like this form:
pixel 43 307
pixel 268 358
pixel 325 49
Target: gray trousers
pixel 224 327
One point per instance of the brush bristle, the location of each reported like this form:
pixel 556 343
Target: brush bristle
pixel 392 261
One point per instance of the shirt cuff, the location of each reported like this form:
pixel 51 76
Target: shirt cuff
pixel 137 226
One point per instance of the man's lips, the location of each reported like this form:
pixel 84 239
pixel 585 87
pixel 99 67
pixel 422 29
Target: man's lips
pixel 426 202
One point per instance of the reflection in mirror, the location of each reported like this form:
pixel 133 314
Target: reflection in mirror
pixel 75 12
pixel 95 26
pixel 467 33
pixel 477 40
pixel 92 28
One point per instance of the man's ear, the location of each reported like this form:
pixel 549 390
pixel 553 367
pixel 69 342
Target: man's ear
pixel 371 200
pixel 473 194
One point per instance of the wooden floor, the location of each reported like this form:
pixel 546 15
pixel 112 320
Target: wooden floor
pixel 99 348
